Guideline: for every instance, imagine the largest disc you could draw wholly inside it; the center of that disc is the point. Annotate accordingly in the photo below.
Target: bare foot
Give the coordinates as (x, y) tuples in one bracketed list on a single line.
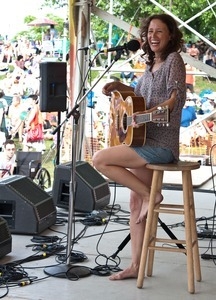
[(130, 272), (144, 210)]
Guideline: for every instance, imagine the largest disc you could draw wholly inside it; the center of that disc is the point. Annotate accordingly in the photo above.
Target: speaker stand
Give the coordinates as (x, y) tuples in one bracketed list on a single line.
[(63, 270)]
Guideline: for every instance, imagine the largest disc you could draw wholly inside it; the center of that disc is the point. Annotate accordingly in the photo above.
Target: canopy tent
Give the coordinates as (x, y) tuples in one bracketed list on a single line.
[(80, 31)]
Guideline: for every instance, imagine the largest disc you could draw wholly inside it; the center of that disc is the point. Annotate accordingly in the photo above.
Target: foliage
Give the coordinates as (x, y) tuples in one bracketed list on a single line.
[(56, 3), (133, 13)]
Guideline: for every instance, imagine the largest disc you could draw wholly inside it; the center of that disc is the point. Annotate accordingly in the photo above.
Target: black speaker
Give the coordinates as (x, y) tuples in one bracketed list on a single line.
[(25, 206), (53, 86), (91, 190), (5, 238)]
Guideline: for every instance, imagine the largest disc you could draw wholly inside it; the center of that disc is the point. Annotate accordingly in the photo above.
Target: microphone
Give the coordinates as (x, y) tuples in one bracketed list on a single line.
[(132, 45)]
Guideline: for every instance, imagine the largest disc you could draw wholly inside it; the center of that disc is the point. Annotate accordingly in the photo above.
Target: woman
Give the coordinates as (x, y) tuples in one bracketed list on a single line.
[(34, 137), (163, 83), (14, 112)]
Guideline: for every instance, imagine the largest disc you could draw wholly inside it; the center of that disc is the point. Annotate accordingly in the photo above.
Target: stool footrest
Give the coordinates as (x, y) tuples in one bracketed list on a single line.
[(181, 206), (169, 211), (168, 241), (160, 248)]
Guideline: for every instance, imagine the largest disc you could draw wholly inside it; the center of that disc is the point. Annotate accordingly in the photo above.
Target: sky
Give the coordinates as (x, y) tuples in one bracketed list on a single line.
[(13, 13)]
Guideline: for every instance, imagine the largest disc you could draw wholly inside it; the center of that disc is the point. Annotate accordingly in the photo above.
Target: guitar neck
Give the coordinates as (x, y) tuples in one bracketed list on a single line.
[(141, 119)]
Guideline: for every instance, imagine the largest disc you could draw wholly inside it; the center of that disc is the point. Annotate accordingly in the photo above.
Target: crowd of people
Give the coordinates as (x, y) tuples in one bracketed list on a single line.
[(198, 119), (203, 52), (19, 92)]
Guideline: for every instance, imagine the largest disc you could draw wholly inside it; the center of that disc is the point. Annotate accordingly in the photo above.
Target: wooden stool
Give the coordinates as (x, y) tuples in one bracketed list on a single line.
[(151, 241)]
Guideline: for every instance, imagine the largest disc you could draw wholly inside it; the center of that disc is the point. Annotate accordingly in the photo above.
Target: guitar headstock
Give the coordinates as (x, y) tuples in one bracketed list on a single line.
[(161, 116)]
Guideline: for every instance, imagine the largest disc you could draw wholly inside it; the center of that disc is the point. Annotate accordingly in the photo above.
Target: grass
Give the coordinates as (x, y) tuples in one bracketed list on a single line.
[(203, 83)]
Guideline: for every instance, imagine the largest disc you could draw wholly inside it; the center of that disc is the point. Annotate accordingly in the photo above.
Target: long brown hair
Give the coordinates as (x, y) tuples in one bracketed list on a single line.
[(175, 44)]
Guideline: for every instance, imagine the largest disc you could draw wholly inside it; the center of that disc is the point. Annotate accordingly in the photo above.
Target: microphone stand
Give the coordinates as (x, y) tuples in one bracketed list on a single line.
[(165, 228), (68, 270)]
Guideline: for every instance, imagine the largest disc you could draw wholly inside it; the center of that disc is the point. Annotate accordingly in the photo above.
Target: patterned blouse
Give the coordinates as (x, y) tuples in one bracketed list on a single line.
[(157, 87)]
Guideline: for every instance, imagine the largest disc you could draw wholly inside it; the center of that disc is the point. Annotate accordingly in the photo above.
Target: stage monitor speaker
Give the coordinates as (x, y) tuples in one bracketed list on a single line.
[(5, 238), (91, 191), (26, 207), (53, 86)]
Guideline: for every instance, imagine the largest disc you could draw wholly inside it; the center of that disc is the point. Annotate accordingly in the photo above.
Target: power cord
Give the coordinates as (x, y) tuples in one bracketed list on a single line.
[(41, 239), (93, 221), (75, 257)]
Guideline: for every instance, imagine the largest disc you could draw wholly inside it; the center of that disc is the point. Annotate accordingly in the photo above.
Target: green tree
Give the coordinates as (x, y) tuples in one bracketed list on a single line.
[(56, 3), (132, 12)]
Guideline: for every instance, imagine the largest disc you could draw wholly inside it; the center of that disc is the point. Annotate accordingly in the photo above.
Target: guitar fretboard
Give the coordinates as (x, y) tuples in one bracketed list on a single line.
[(140, 119)]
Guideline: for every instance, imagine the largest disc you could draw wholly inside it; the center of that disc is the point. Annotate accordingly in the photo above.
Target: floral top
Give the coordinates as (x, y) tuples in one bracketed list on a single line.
[(157, 87)]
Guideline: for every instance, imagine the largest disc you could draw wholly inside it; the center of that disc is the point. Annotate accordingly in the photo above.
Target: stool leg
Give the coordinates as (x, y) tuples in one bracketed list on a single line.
[(186, 196), (154, 227), (157, 177), (196, 256)]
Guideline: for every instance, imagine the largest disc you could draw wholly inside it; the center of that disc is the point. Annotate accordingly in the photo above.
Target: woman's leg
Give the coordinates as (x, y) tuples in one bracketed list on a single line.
[(115, 162), (136, 229)]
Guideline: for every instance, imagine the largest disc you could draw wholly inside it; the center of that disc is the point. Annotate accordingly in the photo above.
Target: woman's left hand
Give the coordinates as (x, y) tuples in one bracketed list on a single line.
[(134, 119)]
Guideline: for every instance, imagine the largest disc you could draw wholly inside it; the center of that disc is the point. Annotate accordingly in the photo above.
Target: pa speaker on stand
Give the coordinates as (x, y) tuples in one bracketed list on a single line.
[(92, 190), (53, 86)]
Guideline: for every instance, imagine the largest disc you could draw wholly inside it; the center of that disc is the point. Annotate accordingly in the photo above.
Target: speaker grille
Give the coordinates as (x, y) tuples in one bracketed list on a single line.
[(31, 193), (92, 190), (5, 238), (4, 230), (25, 206), (86, 172), (102, 191)]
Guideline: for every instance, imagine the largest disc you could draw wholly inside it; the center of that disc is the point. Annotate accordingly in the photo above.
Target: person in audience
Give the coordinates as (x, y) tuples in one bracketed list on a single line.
[(194, 51), (3, 113), (187, 117), (210, 122), (14, 111), (7, 159), (33, 120)]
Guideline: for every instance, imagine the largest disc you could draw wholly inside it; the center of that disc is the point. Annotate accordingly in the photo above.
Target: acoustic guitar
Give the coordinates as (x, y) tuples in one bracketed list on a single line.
[(122, 107)]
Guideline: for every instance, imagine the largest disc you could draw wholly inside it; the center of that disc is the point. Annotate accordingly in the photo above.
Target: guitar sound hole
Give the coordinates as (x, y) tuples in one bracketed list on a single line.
[(124, 122)]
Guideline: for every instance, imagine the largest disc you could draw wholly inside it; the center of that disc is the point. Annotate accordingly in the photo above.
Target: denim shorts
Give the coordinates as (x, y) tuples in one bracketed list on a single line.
[(155, 155)]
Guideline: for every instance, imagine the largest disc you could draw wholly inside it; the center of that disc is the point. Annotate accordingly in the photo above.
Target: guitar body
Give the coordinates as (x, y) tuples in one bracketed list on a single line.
[(122, 107)]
